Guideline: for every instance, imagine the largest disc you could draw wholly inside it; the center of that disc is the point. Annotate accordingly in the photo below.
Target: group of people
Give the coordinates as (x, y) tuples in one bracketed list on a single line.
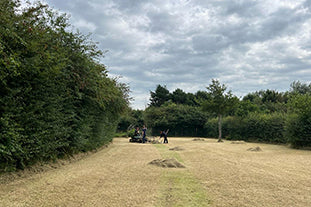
[(144, 131)]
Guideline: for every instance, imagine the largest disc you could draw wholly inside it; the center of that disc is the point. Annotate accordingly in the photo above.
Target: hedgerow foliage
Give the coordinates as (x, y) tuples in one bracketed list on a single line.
[(253, 127), (56, 98), (298, 125), (181, 120)]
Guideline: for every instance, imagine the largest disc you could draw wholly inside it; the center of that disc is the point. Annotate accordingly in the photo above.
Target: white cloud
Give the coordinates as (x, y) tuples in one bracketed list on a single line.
[(247, 44), (87, 26)]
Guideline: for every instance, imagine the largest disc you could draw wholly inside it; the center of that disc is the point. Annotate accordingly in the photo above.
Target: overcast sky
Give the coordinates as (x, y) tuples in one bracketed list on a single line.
[(246, 44)]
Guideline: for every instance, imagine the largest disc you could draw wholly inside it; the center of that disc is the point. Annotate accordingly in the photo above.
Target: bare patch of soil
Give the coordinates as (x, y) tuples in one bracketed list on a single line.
[(167, 163)]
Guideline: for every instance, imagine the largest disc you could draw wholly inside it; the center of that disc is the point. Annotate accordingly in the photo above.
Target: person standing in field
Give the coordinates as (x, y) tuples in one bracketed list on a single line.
[(144, 133), (136, 133), (164, 134)]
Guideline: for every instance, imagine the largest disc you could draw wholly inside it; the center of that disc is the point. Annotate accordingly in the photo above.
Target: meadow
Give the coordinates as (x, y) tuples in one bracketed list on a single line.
[(231, 173)]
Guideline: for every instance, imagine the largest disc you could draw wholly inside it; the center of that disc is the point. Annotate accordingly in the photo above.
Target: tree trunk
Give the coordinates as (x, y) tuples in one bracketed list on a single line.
[(219, 128)]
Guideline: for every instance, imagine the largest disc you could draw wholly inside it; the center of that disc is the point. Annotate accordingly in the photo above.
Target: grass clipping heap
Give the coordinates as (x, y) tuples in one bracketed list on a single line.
[(167, 163), (198, 139), (255, 149)]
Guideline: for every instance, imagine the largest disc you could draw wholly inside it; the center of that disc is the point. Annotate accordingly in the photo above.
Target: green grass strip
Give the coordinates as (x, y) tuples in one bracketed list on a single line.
[(178, 186)]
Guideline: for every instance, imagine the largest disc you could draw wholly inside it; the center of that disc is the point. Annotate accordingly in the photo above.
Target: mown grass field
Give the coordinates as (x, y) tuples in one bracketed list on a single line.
[(216, 174)]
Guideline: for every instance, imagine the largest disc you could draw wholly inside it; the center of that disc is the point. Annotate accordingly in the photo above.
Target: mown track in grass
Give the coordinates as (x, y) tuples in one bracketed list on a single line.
[(178, 186)]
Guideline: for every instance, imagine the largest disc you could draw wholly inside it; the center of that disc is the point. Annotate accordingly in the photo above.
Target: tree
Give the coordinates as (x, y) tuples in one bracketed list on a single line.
[(219, 102), (300, 88), (160, 96), (268, 100), (245, 107), (179, 96)]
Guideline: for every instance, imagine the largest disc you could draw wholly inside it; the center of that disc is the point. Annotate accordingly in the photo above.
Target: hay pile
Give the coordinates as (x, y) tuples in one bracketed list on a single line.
[(237, 142), (155, 142), (198, 139), (176, 149), (167, 163), (255, 149)]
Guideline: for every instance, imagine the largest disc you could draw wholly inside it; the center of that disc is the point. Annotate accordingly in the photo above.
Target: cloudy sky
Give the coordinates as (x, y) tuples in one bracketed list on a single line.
[(248, 45)]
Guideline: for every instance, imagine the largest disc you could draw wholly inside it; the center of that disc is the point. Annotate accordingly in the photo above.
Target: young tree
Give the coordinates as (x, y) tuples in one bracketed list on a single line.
[(219, 102)]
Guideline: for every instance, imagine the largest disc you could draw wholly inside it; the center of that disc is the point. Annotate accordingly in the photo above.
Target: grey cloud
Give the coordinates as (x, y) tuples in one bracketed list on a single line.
[(209, 43), (243, 43), (280, 21), (163, 21), (246, 8)]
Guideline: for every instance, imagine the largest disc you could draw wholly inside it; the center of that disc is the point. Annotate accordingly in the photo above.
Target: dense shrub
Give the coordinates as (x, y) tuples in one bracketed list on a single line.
[(298, 124), (257, 127), (211, 128), (130, 119), (265, 127), (298, 131), (181, 120), (56, 99)]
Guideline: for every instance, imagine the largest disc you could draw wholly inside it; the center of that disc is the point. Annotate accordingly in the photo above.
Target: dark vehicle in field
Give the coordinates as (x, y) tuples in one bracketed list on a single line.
[(137, 138)]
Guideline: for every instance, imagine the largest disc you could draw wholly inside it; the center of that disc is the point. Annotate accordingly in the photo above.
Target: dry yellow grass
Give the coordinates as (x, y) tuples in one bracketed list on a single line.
[(120, 176), (233, 176), (116, 176)]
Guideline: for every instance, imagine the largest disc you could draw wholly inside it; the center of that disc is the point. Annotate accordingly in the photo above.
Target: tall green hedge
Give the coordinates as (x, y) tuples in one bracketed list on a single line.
[(298, 124), (255, 126), (56, 98), (298, 131), (181, 120)]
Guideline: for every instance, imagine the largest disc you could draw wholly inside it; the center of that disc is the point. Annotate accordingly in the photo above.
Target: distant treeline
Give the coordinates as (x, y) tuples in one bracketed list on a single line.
[(264, 116), (56, 98)]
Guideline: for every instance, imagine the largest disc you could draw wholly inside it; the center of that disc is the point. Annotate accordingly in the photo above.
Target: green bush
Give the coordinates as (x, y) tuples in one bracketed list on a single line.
[(233, 128), (264, 127), (211, 128), (298, 124), (298, 131), (120, 134), (254, 126), (181, 120), (56, 99), (131, 133)]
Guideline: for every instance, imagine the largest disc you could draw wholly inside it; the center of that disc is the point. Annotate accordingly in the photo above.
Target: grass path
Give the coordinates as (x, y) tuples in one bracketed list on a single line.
[(178, 186), (216, 174)]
